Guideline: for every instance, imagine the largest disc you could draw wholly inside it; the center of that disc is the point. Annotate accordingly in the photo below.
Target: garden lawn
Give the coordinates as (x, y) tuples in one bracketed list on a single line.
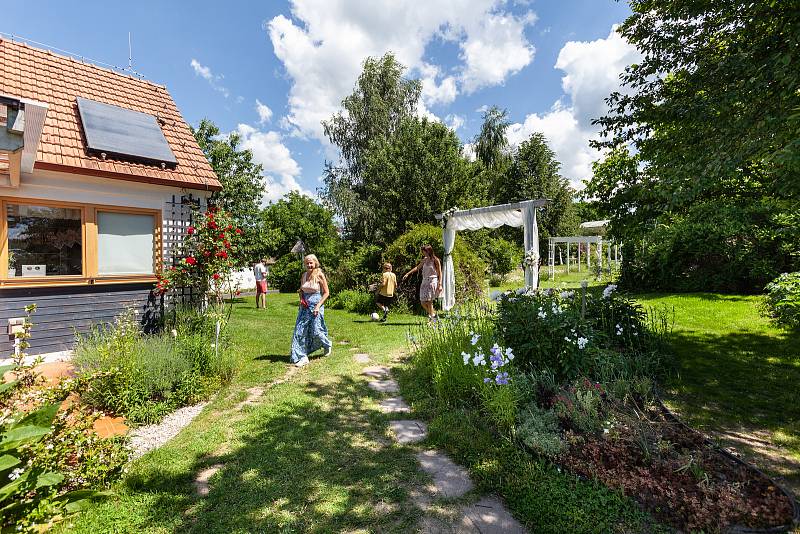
[(311, 455), (737, 377)]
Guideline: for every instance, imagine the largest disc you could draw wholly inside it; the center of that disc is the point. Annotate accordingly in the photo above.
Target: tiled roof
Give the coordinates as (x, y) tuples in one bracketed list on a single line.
[(36, 74)]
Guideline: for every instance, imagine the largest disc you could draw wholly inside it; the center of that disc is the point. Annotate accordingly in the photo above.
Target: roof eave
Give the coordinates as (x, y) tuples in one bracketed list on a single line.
[(56, 167)]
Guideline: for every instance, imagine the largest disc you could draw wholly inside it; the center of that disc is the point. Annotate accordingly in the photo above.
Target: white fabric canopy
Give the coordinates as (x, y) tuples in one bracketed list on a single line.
[(517, 214)]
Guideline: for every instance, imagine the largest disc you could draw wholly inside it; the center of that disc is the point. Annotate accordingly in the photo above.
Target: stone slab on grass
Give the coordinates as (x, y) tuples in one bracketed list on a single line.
[(450, 480), (489, 516), (361, 357), (376, 371), (384, 386), (409, 431), (201, 484), (394, 405)]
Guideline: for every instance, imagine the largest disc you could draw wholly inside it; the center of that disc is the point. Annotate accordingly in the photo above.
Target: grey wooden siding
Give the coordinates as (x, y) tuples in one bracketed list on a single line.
[(63, 311)]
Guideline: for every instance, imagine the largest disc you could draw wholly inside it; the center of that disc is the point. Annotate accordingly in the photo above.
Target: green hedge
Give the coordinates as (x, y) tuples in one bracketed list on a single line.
[(405, 253)]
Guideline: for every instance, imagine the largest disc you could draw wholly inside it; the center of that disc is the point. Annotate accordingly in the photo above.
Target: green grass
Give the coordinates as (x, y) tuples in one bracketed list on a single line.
[(736, 372), (310, 457)]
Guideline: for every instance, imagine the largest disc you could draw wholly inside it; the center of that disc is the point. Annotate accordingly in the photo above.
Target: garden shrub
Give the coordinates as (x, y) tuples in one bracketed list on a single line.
[(782, 301), (405, 253), (146, 377), (495, 280), (580, 405), (357, 269), (285, 274), (538, 429), (502, 257), (354, 301)]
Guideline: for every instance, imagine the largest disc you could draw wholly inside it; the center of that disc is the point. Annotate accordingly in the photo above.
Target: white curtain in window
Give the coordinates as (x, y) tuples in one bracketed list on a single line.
[(125, 243)]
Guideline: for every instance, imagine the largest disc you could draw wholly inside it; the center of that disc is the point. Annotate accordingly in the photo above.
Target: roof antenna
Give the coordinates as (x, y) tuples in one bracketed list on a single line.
[(130, 53)]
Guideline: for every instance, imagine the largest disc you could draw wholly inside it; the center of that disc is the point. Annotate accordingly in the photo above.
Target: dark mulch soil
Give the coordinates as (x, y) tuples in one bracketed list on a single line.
[(678, 477)]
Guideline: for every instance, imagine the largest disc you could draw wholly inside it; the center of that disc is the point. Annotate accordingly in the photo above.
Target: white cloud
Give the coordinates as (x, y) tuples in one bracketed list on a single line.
[(212, 79), (455, 122), (324, 43), (264, 113), (280, 168), (591, 73)]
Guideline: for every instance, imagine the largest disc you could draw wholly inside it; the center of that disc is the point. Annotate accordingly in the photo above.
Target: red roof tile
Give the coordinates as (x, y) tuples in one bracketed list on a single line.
[(41, 75)]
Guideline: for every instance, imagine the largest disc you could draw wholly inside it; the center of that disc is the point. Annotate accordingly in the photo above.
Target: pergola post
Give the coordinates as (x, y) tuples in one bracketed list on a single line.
[(579, 255)]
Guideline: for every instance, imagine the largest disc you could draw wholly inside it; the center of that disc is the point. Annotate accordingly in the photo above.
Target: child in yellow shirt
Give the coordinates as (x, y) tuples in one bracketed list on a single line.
[(386, 290)]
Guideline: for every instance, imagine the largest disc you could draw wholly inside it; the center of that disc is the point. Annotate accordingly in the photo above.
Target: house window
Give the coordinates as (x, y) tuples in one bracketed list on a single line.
[(44, 241), (125, 243)]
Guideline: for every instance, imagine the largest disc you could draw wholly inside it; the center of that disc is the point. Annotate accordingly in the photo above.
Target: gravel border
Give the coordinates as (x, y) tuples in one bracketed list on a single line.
[(149, 437)]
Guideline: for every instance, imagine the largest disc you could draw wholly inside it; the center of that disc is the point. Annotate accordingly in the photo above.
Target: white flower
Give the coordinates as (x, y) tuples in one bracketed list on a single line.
[(542, 314), (567, 338), (566, 294), (582, 341), (465, 356), (49, 447), (14, 475), (475, 338), (173, 333), (608, 290), (509, 354), (605, 431), (479, 359)]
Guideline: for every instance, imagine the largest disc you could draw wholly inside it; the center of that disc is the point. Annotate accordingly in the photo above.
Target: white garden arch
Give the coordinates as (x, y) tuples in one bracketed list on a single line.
[(515, 214)]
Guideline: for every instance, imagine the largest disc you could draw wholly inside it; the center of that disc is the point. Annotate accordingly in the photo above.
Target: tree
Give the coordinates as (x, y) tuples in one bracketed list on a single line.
[(241, 178), (713, 106), (491, 144), (706, 127), (534, 173), (413, 175), (297, 216), (242, 185), (381, 99)]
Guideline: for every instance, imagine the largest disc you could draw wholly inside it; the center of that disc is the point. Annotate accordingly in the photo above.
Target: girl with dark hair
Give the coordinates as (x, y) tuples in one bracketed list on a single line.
[(431, 287)]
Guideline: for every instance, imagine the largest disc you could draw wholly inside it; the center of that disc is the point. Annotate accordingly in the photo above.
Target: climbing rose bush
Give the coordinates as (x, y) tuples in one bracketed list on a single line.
[(207, 257)]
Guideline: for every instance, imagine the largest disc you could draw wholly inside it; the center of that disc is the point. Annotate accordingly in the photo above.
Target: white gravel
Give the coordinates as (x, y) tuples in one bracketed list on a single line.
[(147, 438)]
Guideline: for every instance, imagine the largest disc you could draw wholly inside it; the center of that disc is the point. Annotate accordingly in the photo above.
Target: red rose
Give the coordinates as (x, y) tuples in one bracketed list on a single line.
[(212, 224), (206, 253), (222, 236), (227, 244), (238, 292), (190, 230), (229, 227), (216, 276), (222, 254), (191, 261), (238, 230)]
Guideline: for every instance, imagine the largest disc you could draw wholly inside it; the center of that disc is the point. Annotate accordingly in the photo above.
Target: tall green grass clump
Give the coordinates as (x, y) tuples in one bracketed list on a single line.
[(143, 378)]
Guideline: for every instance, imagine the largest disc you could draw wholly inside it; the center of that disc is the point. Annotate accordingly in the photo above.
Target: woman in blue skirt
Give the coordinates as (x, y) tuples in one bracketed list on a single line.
[(310, 331)]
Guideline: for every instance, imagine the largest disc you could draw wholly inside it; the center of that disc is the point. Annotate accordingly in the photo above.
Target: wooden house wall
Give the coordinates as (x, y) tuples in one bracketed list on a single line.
[(64, 311)]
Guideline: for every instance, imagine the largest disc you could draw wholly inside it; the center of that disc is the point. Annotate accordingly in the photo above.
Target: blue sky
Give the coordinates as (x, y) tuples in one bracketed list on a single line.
[(549, 63)]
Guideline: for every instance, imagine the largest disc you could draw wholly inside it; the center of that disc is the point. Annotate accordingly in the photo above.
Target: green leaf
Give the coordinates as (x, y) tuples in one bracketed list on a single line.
[(8, 385), (7, 462), (42, 417), (22, 435), (49, 479), (6, 368), (76, 501)]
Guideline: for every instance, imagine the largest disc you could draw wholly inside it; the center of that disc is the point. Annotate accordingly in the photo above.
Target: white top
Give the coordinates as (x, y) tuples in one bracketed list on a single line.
[(260, 271), (309, 286)]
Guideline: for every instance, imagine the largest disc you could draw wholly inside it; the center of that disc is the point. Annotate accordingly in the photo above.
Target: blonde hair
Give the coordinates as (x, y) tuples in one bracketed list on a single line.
[(316, 272), (387, 266)]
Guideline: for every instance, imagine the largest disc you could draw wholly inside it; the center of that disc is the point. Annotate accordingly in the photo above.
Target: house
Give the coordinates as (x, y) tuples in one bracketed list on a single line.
[(98, 175)]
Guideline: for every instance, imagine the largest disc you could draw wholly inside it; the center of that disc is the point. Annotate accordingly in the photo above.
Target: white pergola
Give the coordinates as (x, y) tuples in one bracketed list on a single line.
[(588, 241), (514, 214)]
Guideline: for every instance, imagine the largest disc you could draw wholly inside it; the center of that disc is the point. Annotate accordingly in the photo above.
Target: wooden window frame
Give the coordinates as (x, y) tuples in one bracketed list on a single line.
[(89, 234)]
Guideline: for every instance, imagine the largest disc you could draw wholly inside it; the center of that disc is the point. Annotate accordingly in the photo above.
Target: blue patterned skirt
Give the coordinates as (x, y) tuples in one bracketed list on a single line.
[(310, 332)]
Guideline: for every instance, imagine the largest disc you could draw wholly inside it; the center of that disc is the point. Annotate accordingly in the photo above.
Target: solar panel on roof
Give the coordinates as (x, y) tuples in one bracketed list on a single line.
[(123, 133)]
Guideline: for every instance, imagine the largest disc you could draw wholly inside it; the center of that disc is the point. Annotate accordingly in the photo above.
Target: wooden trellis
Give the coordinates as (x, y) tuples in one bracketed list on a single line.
[(178, 216)]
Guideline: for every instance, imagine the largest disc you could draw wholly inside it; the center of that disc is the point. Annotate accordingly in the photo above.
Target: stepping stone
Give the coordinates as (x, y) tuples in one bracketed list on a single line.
[(376, 371), (201, 482), (108, 427), (489, 516), (394, 405), (384, 386), (409, 431), (361, 357), (449, 479)]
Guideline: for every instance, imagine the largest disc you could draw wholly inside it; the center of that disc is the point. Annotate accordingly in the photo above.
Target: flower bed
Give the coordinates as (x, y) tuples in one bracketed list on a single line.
[(570, 377)]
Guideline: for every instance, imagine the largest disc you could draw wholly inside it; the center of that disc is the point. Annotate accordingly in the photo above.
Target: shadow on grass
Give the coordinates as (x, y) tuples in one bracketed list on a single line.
[(273, 357), (742, 387), (310, 462)]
